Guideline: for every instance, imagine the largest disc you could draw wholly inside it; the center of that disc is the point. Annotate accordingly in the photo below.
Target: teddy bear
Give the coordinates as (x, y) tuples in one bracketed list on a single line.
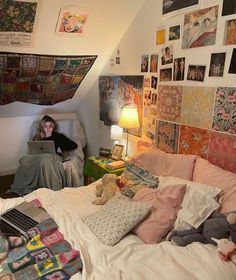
[(226, 249), (217, 225), (106, 189)]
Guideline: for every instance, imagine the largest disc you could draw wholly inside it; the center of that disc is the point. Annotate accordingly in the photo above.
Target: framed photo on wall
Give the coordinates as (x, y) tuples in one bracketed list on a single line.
[(117, 151)]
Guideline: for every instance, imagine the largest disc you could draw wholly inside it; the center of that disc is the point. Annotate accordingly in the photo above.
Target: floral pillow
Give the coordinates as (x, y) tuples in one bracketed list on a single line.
[(134, 178), (116, 218)]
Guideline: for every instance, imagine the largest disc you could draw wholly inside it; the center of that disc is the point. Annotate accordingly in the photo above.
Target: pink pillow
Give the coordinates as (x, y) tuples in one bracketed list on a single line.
[(210, 174), (165, 206), (165, 164)]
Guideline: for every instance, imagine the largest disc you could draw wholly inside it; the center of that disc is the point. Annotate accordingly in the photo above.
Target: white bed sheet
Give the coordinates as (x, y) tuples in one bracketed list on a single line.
[(130, 258)]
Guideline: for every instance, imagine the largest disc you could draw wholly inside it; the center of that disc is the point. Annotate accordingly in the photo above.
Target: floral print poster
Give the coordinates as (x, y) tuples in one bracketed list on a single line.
[(167, 134), (18, 22), (225, 110), (194, 141), (222, 150)]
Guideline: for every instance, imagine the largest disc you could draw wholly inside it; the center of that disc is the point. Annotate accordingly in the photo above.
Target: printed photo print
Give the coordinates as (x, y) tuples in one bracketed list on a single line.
[(229, 7), (154, 82), (165, 74), (167, 55), (144, 63), (179, 67), (196, 73), (230, 32), (153, 63), (174, 32), (217, 65)]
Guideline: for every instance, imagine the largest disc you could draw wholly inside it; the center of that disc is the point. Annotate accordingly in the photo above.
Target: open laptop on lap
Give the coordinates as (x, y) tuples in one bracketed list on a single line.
[(41, 147)]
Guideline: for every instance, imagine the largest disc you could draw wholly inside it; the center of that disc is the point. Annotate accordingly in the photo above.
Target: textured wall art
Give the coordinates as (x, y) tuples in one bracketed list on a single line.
[(222, 150), (225, 110), (194, 141), (197, 107), (169, 102), (41, 79), (167, 135)]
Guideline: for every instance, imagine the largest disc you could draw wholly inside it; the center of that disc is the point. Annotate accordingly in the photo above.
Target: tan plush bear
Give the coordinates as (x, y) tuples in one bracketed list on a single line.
[(106, 189)]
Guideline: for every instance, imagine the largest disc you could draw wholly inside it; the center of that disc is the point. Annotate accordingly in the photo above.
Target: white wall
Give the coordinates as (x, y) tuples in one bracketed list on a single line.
[(106, 24), (140, 40), (15, 132)]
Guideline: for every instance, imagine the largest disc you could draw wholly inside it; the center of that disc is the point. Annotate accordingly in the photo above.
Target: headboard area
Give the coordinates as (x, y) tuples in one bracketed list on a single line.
[(218, 148)]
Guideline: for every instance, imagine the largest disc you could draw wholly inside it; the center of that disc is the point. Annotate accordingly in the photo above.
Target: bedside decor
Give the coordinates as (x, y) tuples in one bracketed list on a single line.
[(129, 119), (117, 151), (116, 133)]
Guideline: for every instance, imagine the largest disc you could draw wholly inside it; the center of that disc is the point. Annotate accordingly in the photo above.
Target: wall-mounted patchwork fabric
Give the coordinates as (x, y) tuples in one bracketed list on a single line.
[(41, 79)]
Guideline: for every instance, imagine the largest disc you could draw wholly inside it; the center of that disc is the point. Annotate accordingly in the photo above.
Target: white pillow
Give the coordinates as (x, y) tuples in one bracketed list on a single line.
[(199, 201), (116, 218)]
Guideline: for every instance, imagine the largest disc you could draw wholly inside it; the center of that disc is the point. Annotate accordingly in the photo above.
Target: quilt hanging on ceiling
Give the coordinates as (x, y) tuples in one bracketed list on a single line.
[(41, 79)]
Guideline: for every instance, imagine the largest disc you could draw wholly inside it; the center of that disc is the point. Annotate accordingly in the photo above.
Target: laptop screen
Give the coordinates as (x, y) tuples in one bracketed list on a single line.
[(41, 147)]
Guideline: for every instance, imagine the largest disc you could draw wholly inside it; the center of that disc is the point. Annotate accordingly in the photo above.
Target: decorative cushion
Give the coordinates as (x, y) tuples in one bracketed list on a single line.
[(208, 173), (165, 205), (134, 178), (199, 201), (116, 218), (165, 164)]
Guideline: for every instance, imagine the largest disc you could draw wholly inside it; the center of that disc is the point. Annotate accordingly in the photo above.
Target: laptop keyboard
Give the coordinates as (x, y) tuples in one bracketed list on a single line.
[(19, 219)]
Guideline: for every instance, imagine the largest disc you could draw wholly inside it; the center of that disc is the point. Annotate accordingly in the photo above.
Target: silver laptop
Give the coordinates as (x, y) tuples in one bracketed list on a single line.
[(21, 218), (41, 147)]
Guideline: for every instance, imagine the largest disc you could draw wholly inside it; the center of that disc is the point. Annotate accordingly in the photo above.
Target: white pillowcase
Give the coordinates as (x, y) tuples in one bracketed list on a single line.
[(198, 203)]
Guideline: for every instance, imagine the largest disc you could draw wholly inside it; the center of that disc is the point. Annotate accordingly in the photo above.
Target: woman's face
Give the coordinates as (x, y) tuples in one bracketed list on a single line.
[(48, 128)]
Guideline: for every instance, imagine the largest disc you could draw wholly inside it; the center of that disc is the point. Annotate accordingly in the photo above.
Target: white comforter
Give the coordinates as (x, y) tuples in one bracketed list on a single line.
[(130, 258)]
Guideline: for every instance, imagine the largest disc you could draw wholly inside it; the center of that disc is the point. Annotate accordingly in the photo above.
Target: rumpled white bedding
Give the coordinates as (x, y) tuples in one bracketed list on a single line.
[(130, 258)]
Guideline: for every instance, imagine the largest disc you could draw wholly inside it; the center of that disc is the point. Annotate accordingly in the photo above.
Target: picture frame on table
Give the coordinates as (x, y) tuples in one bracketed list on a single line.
[(117, 152)]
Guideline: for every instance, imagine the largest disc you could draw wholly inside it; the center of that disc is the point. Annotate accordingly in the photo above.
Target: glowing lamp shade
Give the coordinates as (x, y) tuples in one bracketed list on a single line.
[(129, 117), (116, 132)]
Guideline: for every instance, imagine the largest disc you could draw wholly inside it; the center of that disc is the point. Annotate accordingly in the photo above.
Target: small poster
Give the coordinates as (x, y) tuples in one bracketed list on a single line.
[(144, 63), (196, 72), (18, 22), (174, 32), (153, 63), (72, 20), (217, 65), (229, 7), (232, 66), (160, 36), (200, 28), (179, 67), (167, 55), (230, 32)]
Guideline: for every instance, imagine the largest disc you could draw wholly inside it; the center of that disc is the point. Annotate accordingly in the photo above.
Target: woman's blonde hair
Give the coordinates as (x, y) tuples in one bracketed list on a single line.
[(40, 132)]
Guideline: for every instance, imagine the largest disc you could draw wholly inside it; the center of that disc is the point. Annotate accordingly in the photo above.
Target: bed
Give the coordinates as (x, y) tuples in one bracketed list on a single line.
[(130, 257)]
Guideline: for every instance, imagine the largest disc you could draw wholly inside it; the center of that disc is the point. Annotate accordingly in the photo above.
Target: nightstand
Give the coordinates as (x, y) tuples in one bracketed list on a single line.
[(95, 168)]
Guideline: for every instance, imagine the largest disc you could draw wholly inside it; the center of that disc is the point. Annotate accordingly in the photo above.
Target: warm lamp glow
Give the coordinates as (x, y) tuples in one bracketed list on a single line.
[(129, 117), (116, 132)]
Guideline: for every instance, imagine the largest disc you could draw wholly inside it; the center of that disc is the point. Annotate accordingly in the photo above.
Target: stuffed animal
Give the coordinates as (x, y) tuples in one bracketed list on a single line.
[(106, 189), (217, 226), (226, 249)]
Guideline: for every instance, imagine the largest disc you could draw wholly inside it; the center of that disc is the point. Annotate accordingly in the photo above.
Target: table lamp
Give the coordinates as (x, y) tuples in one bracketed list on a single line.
[(129, 119), (116, 133)]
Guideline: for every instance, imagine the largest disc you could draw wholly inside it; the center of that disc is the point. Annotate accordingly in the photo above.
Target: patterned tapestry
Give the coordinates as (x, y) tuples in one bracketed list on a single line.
[(41, 79)]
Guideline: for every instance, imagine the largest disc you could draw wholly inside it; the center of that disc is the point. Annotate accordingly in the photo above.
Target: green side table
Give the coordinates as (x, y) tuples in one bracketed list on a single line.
[(95, 168)]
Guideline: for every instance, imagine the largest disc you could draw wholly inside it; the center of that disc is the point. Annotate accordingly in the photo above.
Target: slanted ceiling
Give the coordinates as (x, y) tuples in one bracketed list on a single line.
[(107, 23)]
